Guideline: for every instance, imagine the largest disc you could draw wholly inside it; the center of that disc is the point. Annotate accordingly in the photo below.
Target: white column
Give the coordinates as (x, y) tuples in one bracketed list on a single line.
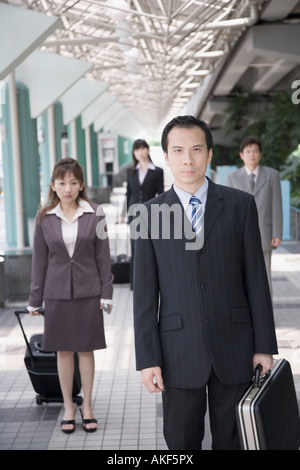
[(16, 156)]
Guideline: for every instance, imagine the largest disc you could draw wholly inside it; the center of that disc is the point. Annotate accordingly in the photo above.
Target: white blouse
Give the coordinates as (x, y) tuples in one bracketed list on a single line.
[(70, 229), (69, 232), (143, 173)]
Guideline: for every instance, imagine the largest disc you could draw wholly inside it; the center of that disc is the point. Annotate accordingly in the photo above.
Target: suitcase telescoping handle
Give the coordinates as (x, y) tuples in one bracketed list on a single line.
[(18, 312)]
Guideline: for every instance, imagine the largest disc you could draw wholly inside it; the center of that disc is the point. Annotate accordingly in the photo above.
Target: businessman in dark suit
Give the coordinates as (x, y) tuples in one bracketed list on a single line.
[(202, 307)]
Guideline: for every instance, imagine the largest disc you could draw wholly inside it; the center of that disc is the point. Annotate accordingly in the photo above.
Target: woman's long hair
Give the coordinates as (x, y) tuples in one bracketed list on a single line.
[(61, 168), (137, 144)]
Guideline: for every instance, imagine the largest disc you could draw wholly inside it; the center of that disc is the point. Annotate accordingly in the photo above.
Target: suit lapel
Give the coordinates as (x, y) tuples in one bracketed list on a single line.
[(178, 218), (150, 175), (261, 180), (147, 177), (83, 222), (213, 208), (55, 226), (244, 180)]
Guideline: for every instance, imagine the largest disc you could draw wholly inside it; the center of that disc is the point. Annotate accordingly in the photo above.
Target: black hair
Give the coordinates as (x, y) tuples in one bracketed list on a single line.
[(187, 122), (138, 144), (250, 140), (61, 168)]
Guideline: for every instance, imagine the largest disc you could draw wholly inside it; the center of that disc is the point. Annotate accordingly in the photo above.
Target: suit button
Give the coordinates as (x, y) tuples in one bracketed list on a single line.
[(204, 286), (72, 261), (207, 321)]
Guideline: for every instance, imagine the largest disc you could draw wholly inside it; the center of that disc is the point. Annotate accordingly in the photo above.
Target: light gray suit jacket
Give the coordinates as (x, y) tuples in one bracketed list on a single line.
[(198, 309), (57, 276), (267, 195)]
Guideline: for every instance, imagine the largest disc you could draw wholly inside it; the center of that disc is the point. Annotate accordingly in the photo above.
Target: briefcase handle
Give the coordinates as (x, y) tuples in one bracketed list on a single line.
[(258, 380), (257, 371)]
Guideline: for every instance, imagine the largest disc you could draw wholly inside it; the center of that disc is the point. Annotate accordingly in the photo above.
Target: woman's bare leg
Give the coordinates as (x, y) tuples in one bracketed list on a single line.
[(65, 366), (87, 373)]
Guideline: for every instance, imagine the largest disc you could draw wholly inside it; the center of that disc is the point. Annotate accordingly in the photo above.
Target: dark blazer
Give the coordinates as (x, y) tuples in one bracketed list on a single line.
[(57, 276), (267, 195), (197, 309), (153, 185)]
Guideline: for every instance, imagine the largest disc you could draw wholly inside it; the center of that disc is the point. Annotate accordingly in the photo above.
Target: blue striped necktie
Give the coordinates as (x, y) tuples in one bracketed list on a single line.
[(197, 215)]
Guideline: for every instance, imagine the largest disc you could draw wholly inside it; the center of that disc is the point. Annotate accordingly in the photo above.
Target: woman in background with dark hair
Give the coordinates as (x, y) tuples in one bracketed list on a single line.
[(71, 274), (144, 182)]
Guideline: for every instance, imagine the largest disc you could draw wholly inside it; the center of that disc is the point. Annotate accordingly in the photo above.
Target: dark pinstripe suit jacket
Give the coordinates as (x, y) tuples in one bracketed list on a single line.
[(197, 309)]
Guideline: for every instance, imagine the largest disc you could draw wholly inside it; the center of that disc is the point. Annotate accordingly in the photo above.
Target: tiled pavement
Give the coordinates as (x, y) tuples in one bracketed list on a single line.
[(129, 418)]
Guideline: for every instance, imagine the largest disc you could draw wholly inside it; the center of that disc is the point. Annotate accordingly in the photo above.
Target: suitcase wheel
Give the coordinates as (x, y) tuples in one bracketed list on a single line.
[(78, 400), (40, 399)]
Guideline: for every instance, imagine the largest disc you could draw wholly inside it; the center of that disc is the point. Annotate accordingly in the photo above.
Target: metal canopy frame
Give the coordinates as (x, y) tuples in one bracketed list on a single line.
[(153, 54)]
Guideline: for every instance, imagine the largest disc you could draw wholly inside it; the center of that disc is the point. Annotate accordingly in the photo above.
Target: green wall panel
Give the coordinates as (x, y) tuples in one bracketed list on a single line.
[(60, 129), (8, 174), (95, 163), (124, 150), (81, 145), (30, 165), (30, 161)]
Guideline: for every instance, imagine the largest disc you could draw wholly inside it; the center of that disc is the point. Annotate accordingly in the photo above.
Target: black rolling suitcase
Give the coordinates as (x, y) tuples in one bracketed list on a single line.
[(268, 414), (120, 263), (42, 369), (120, 267)]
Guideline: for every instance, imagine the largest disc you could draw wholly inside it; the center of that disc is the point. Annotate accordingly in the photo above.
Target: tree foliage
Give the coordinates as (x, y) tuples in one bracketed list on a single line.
[(276, 122)]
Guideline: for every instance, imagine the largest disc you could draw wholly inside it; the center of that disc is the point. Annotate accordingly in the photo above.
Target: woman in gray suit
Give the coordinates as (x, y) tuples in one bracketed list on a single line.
[(71, 274)]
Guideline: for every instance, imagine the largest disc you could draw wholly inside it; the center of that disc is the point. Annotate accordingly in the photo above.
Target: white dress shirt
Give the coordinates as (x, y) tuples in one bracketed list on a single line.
[(255, 172), (185, 197)]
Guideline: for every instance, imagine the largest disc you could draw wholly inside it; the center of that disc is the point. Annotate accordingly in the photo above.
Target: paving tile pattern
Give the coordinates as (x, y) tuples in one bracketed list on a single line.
[(129, 417)]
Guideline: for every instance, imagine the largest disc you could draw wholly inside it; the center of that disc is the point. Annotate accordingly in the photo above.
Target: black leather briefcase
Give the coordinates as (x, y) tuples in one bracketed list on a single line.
[(268, 413)]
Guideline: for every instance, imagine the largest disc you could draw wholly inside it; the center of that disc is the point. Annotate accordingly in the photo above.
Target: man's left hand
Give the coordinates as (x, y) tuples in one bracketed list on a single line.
[(275, 242), (266, 360)]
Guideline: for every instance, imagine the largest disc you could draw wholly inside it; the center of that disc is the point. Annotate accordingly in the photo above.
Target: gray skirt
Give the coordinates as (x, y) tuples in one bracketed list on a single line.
[(73, 325)]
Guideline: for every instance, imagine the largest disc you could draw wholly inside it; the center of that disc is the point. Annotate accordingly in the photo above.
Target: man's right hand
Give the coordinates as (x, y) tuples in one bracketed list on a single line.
[(152, 379)]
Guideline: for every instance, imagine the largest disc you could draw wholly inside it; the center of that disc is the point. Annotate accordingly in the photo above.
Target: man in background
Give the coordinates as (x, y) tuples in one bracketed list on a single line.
[(264, 183)]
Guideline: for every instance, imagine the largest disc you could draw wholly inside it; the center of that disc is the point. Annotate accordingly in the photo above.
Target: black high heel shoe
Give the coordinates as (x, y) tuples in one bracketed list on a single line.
[(88, 421), (68, 421)]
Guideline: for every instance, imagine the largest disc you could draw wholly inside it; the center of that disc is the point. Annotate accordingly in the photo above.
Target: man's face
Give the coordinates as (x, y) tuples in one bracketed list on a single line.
[(188, 157), (251, 156)]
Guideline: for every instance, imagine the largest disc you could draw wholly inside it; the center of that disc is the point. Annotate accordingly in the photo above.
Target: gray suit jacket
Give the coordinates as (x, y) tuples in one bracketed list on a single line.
[(267, 195), (57, 276), (198, 309)]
